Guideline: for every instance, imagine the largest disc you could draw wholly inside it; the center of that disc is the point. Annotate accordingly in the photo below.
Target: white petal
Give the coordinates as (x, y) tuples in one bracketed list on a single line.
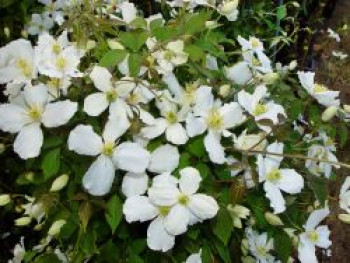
[(95, 104), (118, 112), (189, 181), (291, 182), (58, 113), (29, 141), (99, 177), (36, 95), (306, 252), (114, 129), (158, 238), (164, 159), (134, 184), (101, 78), (323, 237), (194, 258), (131, 157), (177, 220), (139, 208), (176, 134), (316, 217), (195, 126), (239, 73), (163, 194), (12, 117), (214, 148), (275, 196), (165, 179), (204, 100), (154, 130), (128, 11), (83, 140), (203, 206), (232, 114)]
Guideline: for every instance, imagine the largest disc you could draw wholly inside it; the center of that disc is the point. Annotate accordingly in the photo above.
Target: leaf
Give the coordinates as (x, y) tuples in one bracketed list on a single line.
[(343, 134), (197, 148), (223, 251), (195, 53), (114, 212), (203, 170), (281, 12), (138, 246), (134, 63), (283, 245), (134, 40), (51, 163), (223, 226), (319, 187), (52, 258), (195, 23), (52, 142), (295, 109), (113, 58), (85, 213)]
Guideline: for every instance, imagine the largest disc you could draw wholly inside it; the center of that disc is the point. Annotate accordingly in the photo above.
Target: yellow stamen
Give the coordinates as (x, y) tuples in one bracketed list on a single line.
[(274, 175), (215, 120), (171, 117), (318, 88), (183, 199), (108, 148), (25, 67), (260, 108), (164, 210), (61, 63)]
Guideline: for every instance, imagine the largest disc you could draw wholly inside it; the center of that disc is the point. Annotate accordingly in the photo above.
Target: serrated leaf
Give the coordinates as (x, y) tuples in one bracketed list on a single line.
[(51, 163), (134, 40), (223, 226), (113, 58), (114, 212), (134, 63)]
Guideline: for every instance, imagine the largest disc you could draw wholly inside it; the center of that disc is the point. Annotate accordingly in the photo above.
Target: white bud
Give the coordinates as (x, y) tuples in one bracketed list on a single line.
[(224, 90), (7, 32), (296, 4), (270, 78), (56, 227), (293, 65), (227, 8), (346, 108), (59, 183), (23, 221), (114, 44), (211, 24), (345, 218), (2, 148), (4, 199), (273, 219), (246, 141), (91, 44), (329, 113)]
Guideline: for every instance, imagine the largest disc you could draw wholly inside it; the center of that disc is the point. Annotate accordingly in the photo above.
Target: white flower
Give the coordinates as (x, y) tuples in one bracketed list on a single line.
[(163, 159), (195, 258), (126, 156), (246, 141), (314, 236), (344, 195), (39, 24), (56, 227), (54, 9), (333, 34), (59, 183), (25, 116), (17, 62), (129, 11), (321, 93), (34, 210), (134, 184), (256, 106), (216, 119), (340, 55), (228, 8), (4, 199), (238, 213), (260, 246), (172, 56), (276, 179), (240, 73), (18, 252)]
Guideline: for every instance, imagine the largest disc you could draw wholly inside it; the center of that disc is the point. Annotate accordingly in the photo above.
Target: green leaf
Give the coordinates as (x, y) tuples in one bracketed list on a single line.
[(281, 12), (134, 40), (197, 148), (343, 134), (195, 23), (114, 212), (85, 213), (223, 251), (52, 258), (296, 108), (283, 245), (138, 246), (113, 58), (223, 226), (195, 53), (203, 170), (134, 62), (135, 259), (51, 163), (319, 187), (53, 142)]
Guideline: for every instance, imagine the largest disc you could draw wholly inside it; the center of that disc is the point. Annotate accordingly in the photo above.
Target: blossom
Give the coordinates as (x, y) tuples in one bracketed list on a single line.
[(17, 62), (54, 9), (163, 159), (195, 258), (313, 236), (255, 104), (237, 213), (344, 195), (25, 116), (333, 34), (127, 156), (340, 55), (246, 141), (18, 252), (322, 94), (276, 179), (228, 8), (39, 24), (259, 246), (33, 209), (216, 119)]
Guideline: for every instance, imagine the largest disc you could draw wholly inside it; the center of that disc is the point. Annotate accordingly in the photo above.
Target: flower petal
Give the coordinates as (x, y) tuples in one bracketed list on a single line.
[(275, 196), (203, 206), (323, 237), (134, 184), (214, 148), (195, 126), (29, 141), (177, 220), (99, 177), (163, 194), (232, 114), (139, 208), (95, 104), (83, 140), (131, 157), (189, 181), (158, 238), (306, 252), (176, 134), (58, 113), (36, 95), (115, 128), (154, 130), (291, 182), (101, 78), (164, 159), (12, 117), (316, 217)]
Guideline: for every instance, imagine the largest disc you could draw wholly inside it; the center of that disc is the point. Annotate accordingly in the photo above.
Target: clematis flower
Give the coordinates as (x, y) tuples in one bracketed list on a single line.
[(246, 141), (195, 257), (18, 252), (216, 119), (33, 209), (322, 94), (228, 8), (164, 159), (276, 179), (313, 236), (17, 62), (256, 106), (54, 9), (126, 156), (260, 246), (333, 34), (26, 114), (238, 213), (39, 24), (344, 195)]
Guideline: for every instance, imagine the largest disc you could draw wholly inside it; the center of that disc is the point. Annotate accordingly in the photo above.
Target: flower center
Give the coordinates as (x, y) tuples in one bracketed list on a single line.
[(255, 42), (312, 236), (318, 88), (111, 95), (35, 112), (54, 83), (261, 251), (25, 67), (183, 199), (108, 148), (164, 210), (259, 109), (171, 117), (215, 120), (61, 63), (274, 175), (133, 99), (56, 48), (169, 55)]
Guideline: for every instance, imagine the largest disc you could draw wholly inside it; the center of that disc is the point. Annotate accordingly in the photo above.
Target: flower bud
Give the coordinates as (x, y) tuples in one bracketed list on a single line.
[(346, 108), (7, 32), (23, 221), (59, 183), (273, 219), (247, 142), (345, 218), (56, 227), (224, 90), (228, 7), (4, 199), (29, 176), (293, 65), (91, 44), (329, 113), (211, 24), (114, 44), (270, 78), (2, 148)]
